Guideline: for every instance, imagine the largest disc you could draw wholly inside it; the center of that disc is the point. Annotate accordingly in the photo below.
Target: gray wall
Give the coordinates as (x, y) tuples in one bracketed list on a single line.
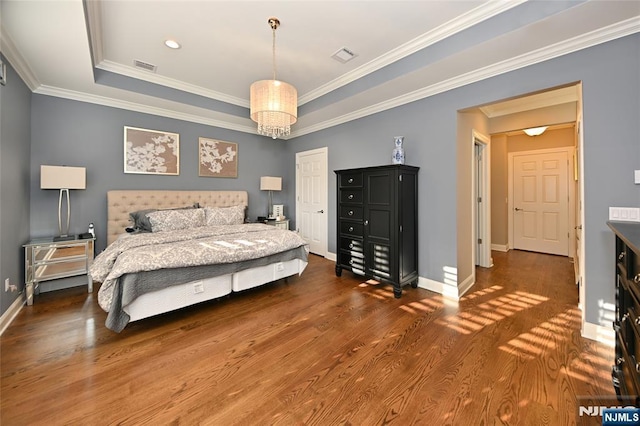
[(15, 137), (611, 94), (72, 133)]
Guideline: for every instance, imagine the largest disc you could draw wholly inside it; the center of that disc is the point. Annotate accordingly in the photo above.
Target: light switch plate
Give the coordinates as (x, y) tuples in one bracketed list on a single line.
[(627, 214)]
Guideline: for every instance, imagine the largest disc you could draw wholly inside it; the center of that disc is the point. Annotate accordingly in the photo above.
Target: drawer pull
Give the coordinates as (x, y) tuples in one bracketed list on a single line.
[(350, 196), (366, 222), (625, 317), (621, 256), (620, 361), (636, 279), (350, 180), (350, 261), (637, 367), (351, 246), (351, 229), (350, 212)]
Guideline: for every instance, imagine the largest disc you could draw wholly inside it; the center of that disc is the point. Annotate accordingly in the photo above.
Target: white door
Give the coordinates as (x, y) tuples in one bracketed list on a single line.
[(311, 199), (541, 202), (481, 182)]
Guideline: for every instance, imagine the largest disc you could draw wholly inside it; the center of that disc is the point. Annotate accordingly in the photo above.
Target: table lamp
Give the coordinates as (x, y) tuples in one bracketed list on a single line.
[(63, 178), (270, 183)]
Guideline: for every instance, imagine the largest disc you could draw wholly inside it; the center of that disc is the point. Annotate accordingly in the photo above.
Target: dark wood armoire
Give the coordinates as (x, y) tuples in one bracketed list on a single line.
[(377, 224)]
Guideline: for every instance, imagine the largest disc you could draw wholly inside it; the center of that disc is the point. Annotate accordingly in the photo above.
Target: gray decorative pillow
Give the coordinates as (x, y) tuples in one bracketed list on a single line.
[(173, 220), (224, 215), (140, 221)]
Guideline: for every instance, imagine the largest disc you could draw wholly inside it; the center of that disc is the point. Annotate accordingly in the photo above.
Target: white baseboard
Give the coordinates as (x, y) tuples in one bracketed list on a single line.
[(467, 284), (11, 313), (331, 256), (438, 287), (599, 333), (500, 247)]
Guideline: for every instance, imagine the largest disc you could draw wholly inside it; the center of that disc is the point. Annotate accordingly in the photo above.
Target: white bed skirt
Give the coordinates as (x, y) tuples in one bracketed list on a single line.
[(180, 296)]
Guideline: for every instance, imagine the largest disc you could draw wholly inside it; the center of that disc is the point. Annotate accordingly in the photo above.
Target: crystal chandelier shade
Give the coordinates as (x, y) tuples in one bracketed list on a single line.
[(274, 106), (273, 103)]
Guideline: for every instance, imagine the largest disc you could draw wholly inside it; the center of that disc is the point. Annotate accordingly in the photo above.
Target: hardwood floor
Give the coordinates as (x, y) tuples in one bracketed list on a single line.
[(316, 350)]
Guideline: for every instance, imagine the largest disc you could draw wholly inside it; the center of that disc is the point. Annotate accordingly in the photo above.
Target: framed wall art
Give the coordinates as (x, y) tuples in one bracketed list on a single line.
[(217, 158), (151, 152)]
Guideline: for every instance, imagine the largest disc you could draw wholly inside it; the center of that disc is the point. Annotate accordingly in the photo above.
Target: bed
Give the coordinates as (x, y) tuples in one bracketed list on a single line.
[(186, 261)]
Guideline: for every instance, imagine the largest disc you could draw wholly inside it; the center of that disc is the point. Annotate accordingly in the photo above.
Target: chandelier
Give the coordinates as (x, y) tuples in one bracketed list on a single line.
[(274, 104)]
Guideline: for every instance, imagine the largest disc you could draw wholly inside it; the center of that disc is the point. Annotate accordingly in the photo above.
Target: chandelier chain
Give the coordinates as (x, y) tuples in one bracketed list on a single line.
[(274, 50)]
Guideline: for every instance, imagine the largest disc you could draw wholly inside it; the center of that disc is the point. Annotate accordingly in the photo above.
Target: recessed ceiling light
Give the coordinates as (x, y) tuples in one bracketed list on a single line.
[(172, 44)]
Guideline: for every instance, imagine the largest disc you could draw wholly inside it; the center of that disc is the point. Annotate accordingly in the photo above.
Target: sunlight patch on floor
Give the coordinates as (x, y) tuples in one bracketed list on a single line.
[(490, 312)]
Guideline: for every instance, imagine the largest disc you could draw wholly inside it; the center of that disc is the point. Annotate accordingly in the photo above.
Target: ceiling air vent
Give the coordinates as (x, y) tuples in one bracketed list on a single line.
[(144, 65), (344, 55)]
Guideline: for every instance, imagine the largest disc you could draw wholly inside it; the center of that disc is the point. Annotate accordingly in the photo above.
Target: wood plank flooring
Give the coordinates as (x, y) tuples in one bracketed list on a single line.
[(317, 350)]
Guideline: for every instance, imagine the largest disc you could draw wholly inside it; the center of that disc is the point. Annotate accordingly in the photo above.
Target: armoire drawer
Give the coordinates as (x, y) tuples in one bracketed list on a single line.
[(351, 179), (351, 228), (355, 263), (349, 195), (351, 212), (352, 245)]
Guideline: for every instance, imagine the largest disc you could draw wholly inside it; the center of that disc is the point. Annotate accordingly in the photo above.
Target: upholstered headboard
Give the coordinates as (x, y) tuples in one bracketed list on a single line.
[(120, 203)]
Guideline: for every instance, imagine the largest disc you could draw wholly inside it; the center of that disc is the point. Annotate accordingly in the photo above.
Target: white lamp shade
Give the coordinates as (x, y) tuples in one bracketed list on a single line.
[(270, 183), (63, 177)]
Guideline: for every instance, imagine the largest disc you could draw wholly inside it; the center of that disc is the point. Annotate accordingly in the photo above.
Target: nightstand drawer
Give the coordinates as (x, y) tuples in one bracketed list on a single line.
[(45, 259)]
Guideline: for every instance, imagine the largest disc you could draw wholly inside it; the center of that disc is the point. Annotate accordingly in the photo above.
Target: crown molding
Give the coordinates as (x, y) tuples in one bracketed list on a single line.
[(602, 35), (8, 49), (146, 109), (460, 23), (170, 82), (612, 32)]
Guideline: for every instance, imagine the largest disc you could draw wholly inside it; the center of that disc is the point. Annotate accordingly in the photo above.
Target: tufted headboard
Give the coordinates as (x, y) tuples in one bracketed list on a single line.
[(121, 202)]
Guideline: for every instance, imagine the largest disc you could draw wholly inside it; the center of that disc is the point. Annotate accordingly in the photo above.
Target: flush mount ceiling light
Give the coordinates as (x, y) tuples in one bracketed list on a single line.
[(535, 131), (172, 44), (274, 104)]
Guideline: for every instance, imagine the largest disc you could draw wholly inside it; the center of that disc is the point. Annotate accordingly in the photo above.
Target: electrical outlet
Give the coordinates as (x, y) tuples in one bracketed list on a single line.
[(8, 286)]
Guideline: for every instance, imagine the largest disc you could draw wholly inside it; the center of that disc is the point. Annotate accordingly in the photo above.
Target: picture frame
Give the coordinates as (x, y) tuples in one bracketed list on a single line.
[(3, 72), (217, 158), (153, 152)]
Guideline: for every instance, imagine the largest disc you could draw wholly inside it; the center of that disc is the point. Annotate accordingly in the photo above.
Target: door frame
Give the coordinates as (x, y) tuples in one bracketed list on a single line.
[(569, 150), (481, 212), (325, 196)]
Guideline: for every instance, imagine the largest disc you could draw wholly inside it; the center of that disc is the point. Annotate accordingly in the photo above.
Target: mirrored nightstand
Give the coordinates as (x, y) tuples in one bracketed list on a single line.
[(45, 259)]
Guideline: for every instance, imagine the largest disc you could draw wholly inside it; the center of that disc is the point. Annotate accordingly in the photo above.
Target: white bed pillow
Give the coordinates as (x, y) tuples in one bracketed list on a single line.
[(224, 215), (173, 220)]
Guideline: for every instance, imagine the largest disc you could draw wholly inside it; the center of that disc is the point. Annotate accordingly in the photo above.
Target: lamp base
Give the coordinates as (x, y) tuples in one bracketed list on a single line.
[(64, 238)]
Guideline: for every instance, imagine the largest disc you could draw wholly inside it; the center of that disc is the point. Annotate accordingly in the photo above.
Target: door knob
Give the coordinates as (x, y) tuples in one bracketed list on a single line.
[(322, 211), (518, 210)]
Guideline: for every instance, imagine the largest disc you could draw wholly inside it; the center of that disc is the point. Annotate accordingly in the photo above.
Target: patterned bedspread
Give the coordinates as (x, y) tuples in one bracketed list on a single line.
[(207, 245)]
